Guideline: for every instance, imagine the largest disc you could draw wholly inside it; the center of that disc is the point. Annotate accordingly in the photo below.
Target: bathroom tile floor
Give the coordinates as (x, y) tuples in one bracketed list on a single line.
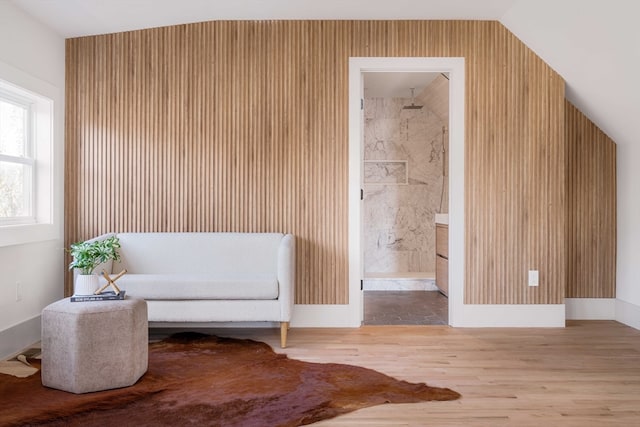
[(405, 308)]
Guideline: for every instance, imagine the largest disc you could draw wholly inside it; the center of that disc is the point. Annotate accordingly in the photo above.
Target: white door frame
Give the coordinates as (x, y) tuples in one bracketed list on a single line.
[(460, 314), (455, 69)]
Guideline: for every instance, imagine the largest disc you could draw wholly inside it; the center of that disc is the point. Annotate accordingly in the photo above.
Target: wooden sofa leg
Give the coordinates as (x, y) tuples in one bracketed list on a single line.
[(284, 326)]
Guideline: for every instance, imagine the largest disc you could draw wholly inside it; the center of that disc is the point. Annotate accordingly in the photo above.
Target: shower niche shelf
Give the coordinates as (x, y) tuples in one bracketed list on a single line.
[(386, 172)]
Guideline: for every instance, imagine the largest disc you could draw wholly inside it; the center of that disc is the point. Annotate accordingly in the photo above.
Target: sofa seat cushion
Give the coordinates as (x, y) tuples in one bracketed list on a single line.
[(198, 286)]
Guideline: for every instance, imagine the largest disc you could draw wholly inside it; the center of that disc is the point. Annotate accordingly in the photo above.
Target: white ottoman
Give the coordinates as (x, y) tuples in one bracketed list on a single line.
[(96, 345)]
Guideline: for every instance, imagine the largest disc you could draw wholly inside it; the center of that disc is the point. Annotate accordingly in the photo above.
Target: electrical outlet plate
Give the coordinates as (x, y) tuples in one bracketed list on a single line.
[(533, 278), (18, 292)]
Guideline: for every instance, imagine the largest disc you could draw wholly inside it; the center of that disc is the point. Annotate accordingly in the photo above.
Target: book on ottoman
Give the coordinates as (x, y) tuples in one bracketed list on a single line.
[(103, 296)]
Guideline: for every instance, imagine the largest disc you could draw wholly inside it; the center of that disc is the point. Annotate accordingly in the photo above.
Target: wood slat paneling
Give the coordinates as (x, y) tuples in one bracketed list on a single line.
[(514, 182), (591, 213), (243, 126)]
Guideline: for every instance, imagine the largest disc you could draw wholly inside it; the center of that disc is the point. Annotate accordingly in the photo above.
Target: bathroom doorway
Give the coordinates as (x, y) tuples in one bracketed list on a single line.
[(405, 192)]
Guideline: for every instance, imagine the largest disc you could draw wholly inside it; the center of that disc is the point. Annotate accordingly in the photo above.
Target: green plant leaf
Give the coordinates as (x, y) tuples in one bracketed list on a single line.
[(88, 255)]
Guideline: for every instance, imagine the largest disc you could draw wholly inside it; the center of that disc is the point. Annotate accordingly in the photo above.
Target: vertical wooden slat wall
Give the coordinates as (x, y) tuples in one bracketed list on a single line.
[(515, 173), (243, 126), (591, 213)]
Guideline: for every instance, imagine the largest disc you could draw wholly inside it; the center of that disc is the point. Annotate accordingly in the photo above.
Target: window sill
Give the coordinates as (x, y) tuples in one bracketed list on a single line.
[(11, 235)]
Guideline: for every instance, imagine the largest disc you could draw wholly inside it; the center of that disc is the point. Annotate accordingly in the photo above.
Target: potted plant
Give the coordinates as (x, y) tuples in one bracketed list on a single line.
[(86, 257)]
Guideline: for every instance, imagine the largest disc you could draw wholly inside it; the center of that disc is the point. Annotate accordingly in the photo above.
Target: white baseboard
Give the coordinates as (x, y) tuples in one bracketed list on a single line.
[(483, 316), (22, 335), (19, 337), (590, 308), (628, 313), (480, 316), (509, 316)]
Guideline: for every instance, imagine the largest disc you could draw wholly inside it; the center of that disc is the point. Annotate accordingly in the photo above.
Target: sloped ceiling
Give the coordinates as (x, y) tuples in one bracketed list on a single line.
[(593, 44)]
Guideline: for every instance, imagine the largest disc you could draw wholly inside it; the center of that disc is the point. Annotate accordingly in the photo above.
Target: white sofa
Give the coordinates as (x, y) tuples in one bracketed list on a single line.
[(209, 277)]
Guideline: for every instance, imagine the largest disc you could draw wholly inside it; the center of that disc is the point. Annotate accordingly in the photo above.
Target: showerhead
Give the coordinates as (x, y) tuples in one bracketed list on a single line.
[(413, 106)]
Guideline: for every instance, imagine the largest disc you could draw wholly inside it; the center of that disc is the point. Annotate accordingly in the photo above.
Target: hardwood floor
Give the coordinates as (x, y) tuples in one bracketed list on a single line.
[(587, 374)]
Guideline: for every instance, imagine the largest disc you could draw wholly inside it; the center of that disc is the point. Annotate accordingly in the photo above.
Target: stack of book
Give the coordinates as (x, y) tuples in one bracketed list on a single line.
[(102, 296)]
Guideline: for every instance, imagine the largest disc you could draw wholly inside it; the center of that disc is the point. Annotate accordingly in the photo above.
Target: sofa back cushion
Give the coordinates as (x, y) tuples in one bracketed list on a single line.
[(200, 253)]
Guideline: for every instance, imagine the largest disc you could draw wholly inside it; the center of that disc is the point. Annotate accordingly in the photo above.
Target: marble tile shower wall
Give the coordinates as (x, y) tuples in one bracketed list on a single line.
[(403, 185)]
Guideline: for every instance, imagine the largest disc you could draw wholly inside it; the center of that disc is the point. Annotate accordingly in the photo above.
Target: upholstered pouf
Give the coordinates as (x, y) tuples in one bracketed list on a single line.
[(96, 345)]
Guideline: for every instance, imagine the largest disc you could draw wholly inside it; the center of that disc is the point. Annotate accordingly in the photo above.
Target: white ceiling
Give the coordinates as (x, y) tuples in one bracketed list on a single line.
[(73, 18), (593, 44)]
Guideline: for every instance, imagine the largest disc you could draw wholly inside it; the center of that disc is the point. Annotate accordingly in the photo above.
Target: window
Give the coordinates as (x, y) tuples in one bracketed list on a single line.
[(16, 160), (28, 208)]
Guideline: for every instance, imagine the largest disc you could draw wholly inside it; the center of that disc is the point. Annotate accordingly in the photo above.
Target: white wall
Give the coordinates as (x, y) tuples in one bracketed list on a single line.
[(32, 53), (628, 254), (628, 272)]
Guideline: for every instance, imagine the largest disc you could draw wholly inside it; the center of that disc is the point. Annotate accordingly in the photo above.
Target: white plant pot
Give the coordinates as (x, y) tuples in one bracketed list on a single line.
[(85, 284)]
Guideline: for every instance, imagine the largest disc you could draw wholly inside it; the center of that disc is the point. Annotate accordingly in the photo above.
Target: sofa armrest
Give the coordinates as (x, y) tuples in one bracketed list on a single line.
[(286, 276)]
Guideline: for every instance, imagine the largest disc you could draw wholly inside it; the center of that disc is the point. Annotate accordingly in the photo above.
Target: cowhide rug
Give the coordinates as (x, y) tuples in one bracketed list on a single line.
[(203, 380)]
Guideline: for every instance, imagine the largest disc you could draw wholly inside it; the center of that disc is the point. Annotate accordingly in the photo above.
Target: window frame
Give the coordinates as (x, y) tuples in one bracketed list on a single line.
[(47, 151)]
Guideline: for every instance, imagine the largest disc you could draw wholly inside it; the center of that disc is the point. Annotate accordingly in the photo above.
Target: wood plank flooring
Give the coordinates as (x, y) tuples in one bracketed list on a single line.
[(587, 374)]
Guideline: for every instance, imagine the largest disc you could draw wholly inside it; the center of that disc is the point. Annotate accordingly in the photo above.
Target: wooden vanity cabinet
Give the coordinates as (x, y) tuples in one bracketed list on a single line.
[(442, 258)]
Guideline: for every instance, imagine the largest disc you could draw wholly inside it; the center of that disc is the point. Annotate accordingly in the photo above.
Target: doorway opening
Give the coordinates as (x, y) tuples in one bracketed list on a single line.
[(359, 69), (405, 191)]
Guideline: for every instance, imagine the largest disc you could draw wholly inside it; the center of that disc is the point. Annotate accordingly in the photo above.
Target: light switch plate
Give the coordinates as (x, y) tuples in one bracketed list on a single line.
[(533, 278)]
